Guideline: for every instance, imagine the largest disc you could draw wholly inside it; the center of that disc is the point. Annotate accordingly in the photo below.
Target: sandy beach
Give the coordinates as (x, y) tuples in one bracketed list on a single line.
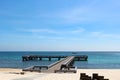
[(14, 74)]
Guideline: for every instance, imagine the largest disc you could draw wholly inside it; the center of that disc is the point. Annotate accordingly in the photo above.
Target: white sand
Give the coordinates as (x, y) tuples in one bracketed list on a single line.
[(10, 74)]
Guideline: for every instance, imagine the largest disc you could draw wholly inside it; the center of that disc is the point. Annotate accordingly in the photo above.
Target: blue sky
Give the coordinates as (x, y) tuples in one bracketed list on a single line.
[(55, 25)]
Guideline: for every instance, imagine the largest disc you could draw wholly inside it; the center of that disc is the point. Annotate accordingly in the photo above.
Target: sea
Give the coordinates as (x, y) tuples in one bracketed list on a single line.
[(96, 59)]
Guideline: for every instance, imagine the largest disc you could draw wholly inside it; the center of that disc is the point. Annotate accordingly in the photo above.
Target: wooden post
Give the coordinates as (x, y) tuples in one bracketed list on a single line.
[(58, 58), (49, 58), (40, 58)]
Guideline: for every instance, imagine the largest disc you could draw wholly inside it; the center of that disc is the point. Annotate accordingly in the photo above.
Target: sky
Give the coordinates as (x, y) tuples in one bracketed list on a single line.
[(59, 25)]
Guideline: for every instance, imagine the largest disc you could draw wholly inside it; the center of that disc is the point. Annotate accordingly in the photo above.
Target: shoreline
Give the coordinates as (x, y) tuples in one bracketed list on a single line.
[(8, 74), (19, 69)]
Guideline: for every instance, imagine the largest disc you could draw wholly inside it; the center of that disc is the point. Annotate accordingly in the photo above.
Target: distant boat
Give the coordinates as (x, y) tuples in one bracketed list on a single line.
[(74, 53)]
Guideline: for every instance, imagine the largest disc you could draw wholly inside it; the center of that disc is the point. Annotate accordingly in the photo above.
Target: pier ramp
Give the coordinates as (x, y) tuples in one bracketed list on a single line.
[(67, 61)]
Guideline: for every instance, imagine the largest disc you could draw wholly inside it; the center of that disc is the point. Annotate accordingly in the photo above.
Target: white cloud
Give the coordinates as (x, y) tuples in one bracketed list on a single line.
[(80, 30), (53, 31), (94, 11), (104, 35), (40, 30), (64, 34), (53, 34)]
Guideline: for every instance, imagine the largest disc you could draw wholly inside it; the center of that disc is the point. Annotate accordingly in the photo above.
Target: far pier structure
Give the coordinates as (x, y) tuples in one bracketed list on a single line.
[(40, 57)]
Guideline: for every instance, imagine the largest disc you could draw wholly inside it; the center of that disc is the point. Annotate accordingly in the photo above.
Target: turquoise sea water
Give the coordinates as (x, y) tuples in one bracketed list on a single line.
[(96, 60)]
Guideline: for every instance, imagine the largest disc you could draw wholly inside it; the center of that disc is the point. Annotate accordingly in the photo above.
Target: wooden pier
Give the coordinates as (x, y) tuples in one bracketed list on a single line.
[(63, 65), (39, 58)]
